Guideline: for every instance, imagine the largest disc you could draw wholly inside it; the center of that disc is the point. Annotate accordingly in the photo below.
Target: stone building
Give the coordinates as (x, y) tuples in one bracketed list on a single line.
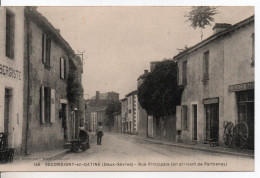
[(132, 114), (218, 79), (12, 75), (48, 60), (124, 114)]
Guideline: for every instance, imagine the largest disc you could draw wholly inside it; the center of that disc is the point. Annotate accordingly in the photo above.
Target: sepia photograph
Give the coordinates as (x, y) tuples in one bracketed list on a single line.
[(127, 88)]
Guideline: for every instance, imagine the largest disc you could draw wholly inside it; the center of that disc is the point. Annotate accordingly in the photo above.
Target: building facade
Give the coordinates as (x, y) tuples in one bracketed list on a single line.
[(47, 111), (12, 74), (93, 121), (218, 79), (132, 114), (124, 114)]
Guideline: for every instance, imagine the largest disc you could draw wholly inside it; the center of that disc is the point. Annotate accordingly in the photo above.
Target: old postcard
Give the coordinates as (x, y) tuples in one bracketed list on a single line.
[(134, 88)]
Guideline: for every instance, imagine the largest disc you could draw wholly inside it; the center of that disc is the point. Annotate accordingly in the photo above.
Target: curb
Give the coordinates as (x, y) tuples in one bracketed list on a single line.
[(56, 155), (202, 149)]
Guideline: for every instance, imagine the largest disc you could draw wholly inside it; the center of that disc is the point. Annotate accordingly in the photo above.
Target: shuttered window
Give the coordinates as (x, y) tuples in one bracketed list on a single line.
[(206, 65), (178, 118), (184, 73), (9, 41), (253, 49), (46, 49), (62, 68), (52, 119), (184, 117), (47, 104)]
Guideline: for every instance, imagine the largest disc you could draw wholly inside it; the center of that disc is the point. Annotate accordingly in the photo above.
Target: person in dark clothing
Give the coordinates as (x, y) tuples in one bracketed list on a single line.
[(84, 137), (99, 133)]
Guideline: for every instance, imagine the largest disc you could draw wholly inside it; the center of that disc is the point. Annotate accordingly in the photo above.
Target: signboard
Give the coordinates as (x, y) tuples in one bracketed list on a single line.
[(10, 72), (210, 101), (241, 87)]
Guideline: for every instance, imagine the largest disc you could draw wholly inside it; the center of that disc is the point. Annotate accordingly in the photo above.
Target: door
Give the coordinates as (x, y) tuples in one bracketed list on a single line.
[(7, 113), (64, 120), (212, 121), (194, 107), (246, 112)]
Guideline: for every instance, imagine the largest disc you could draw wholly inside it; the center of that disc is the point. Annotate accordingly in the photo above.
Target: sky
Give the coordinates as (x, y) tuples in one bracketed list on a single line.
[(120, 42)]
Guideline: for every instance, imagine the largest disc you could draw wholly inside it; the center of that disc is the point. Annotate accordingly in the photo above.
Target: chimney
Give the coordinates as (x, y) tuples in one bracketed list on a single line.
[(218, 27), (97, 95), (145, 71), (58, 30), (152, 65)]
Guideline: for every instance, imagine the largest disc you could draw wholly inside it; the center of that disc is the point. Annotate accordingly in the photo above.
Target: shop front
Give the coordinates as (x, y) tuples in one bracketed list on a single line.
[(245, 108), (211, 106)]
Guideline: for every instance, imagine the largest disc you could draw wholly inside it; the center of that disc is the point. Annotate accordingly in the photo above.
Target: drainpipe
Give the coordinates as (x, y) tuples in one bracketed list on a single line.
[(28, 83)]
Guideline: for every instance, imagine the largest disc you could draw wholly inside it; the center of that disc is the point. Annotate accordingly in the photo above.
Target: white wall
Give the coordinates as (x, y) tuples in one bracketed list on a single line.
[(16, 84)]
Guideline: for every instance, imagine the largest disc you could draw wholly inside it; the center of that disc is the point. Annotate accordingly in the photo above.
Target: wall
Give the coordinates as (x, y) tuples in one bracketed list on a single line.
[(196, 90), (238, 52), (44, 136), (14, 83), (142, 121)]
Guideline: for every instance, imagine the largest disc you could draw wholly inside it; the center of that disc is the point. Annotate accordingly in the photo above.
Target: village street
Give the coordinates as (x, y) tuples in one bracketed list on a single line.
[(119, 151)]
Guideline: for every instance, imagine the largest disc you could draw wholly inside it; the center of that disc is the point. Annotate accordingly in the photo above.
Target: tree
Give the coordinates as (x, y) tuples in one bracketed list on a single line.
[(74, 88), (112, 107), (159, 93), (200, 16)]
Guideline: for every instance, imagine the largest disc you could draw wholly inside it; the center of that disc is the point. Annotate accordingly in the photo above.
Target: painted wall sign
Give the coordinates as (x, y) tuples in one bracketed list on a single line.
[(241, 87), (10, 72), (210, 101)]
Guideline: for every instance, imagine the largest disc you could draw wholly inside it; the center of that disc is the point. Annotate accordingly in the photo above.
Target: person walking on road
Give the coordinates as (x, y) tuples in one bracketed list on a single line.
[(99, 133)]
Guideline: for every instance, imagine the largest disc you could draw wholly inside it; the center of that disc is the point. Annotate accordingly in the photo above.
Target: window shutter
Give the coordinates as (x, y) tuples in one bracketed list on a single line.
[(42, 105), (44, 48), (178, 117), (52, 120), (62, 68), (184, 117)]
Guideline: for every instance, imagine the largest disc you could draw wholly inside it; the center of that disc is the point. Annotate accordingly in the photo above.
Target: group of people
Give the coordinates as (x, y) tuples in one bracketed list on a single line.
[(99, 133)]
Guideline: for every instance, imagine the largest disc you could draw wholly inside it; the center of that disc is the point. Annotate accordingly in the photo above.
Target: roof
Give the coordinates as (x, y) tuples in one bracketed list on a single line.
[(124, 99), (42, 21), (131, 93), (215, 36)]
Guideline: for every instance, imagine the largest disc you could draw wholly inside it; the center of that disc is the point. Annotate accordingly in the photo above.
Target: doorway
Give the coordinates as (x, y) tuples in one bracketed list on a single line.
[(64, 120), (194, 112), (212, 121), (7, 113), (245, 102)]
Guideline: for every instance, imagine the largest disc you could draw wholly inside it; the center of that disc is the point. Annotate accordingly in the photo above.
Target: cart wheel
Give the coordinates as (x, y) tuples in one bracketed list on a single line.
[(240, 136), (228, 134)]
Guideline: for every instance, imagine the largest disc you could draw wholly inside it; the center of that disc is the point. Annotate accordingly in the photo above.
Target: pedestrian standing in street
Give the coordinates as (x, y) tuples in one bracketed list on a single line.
[(99, 133)]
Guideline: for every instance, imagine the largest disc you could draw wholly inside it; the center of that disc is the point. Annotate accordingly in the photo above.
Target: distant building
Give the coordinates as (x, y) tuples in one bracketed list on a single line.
[(218, 79), (104, 98), (93, 121), (132, 115), (124, 114)]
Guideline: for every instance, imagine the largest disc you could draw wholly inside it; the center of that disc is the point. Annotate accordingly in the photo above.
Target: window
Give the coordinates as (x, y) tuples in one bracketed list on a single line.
[(47, 105), (62, 68), (184, 117), (206, 65), (253, 49), (46, 49), (184, 73), (9, 48)]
